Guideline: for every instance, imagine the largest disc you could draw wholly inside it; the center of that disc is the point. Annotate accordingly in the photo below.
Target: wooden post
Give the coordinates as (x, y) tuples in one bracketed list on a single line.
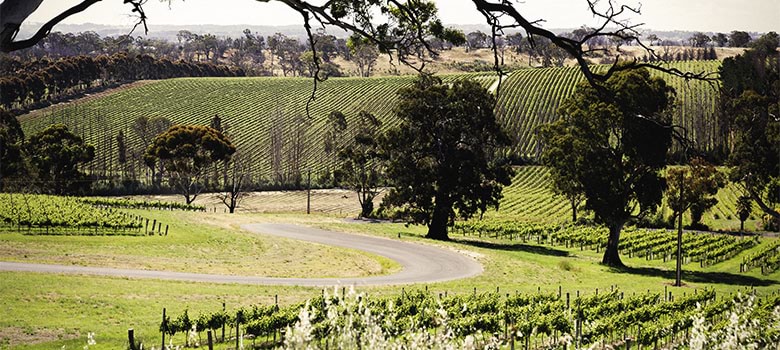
[(163, 332), (678, 275), (166, 230), (238, 331), (223, 323), (131, 338), (308, 192), (211, 340)]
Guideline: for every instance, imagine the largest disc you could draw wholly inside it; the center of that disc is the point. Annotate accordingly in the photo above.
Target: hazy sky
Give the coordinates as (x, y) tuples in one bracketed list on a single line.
[(703, 15)]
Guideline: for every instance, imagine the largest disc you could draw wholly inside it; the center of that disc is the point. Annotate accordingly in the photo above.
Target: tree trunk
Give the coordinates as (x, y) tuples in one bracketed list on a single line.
[(611, 254), (573, 211), (437, 229)]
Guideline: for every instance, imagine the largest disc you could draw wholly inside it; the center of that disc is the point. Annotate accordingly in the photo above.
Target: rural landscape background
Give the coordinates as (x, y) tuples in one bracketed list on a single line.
[(257, 186)]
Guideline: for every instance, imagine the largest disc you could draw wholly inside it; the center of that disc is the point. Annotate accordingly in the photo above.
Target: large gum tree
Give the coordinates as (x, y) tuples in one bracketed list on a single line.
[(613, 141), (442, 158)]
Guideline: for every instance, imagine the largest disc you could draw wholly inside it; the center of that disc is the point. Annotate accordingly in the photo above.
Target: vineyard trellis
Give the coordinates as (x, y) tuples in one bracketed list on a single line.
[(529, 98), (528, 320), (57, 215)]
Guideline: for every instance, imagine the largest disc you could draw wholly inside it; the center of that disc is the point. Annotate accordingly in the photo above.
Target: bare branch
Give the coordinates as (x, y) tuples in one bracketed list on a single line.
[(8, 44)]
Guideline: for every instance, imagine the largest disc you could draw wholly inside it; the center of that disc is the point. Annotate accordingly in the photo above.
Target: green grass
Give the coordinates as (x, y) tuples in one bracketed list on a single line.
[(60, 310), (195, 245)]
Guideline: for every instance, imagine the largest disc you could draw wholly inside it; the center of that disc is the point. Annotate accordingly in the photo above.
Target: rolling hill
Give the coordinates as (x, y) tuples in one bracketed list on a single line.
[(254, 108)]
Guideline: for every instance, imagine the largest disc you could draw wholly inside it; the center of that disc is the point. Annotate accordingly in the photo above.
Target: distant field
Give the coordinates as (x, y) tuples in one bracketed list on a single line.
[(253, 107)]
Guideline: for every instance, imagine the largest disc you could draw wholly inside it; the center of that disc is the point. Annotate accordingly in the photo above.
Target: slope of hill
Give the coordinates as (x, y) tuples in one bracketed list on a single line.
[(255, 109), (531, 97)]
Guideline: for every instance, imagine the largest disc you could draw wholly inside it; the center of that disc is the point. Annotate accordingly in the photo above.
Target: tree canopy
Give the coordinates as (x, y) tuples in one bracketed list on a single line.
[(187, 153), (614, 148), (700, 182), (401, 28), (11, 140), (441, 158), (750, 98), (55, 154), (362, 167)]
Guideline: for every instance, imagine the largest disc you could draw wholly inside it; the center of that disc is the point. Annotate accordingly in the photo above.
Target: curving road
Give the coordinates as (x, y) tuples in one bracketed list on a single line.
[(420, 263)]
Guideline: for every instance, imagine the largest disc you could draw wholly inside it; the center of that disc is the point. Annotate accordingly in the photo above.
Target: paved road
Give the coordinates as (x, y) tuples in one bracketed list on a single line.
[(420, 263)]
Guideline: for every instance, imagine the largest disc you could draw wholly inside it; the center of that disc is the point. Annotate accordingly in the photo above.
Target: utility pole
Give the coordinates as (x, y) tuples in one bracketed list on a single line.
[(308, 192), (678, 281)]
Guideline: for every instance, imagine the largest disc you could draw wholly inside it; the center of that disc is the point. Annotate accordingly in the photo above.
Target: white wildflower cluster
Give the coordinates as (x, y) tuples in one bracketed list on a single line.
[(90, 340), (741, 330), (192, 337), (350, 324)]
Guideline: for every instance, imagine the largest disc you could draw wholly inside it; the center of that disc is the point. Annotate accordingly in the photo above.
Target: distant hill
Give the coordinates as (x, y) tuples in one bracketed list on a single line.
[(256, 108), (168, 31)]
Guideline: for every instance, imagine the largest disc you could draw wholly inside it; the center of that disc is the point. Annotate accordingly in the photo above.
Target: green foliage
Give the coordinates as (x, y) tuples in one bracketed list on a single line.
[(362, 169), (698, 182), (613, 143), (54, 155), (11, 140), (648, 318), (64, 215), (188, 151), (744, 208), (751, 104), (442, 158)]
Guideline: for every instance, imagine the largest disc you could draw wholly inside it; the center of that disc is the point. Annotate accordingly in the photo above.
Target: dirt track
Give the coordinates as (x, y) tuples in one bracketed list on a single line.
[(420, 263)]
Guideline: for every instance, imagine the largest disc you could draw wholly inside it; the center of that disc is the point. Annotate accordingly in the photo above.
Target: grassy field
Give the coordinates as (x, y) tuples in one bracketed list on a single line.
[(194, 245), (51, 311), (254, 108)]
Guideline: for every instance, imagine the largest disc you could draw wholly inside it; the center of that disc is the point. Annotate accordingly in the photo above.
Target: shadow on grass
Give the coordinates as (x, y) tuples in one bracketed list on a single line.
[(699, 276), (514, 247)]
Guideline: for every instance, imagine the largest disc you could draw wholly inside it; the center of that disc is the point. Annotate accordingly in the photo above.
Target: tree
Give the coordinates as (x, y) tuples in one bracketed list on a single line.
[(750, 105), (700, 182), (720, 39), (332, 142), (235, 181), (11, 141), (146, 130), (744, 208), (699, 39), (739, 39), (619, 135), (561, 161), (477, 40), (364, 54), (187, 152), (442, 158), (401, 28), (55, 154), (362, 167)]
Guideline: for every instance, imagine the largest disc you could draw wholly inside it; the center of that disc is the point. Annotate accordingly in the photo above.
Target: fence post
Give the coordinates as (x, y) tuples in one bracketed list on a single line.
[(164, 328), (238, 331), (223, 322), (211, 340), (131, 338)]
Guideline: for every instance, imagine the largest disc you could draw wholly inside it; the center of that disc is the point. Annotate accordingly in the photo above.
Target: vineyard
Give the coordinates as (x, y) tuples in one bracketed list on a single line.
[(420, 319), (530, 98), (56, 215), (529, 197), (255, 108), (706, 249)]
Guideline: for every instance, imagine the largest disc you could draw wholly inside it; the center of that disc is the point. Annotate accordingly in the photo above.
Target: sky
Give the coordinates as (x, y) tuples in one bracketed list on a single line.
[(690, 15)]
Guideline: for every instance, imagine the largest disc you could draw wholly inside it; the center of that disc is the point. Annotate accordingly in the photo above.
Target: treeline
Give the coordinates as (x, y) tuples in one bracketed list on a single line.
[(41, 81), (668, 53)]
